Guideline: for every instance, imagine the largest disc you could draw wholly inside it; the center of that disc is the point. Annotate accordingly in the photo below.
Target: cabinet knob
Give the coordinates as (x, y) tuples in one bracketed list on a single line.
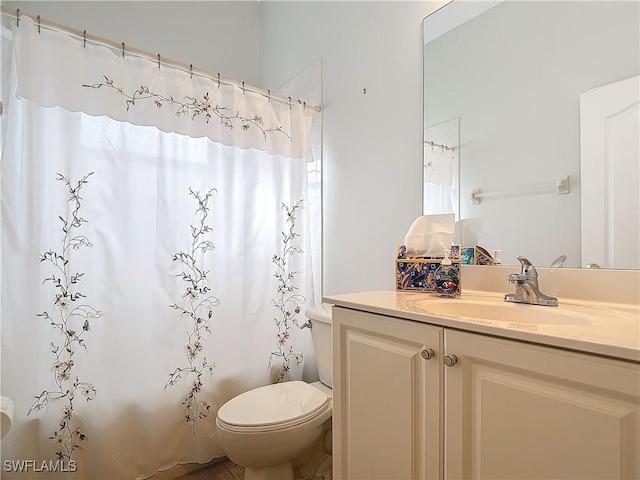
[(449, 360), (427, 353)]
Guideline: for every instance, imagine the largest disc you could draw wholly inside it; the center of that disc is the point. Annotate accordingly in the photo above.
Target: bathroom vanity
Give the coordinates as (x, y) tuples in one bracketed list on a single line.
[(472, 387)]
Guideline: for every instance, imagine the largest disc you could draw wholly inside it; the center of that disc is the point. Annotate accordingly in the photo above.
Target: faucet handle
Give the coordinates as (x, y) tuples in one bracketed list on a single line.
[(528, 270)]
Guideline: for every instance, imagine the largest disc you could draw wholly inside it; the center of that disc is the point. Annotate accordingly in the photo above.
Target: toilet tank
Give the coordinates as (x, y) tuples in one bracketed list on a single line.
[(320, 317)]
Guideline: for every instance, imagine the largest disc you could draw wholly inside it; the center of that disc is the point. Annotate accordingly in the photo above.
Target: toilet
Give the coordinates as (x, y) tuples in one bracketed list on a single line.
[(266, 429)]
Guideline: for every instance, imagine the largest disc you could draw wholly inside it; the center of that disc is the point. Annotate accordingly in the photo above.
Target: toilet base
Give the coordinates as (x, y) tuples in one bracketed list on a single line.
[(274, 472)]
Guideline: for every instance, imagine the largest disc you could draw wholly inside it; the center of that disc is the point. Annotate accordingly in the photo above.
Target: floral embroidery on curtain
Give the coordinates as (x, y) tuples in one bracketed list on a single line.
[(197, 306), (193, 107), (287, 301), (72, 320)]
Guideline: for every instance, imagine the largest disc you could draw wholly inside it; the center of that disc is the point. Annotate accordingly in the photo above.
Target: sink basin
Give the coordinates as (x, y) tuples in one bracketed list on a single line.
[(487, 311)]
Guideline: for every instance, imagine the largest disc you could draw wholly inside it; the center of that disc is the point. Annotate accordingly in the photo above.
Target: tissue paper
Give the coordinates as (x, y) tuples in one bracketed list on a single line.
[(429, 235), (467, 232)]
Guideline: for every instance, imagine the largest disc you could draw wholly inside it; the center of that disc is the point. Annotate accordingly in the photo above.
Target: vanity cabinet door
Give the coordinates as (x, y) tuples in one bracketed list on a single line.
[(387, 407), (515, 410)]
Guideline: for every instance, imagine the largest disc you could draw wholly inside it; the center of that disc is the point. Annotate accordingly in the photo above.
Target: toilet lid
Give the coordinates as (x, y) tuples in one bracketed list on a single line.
[(277, 404)]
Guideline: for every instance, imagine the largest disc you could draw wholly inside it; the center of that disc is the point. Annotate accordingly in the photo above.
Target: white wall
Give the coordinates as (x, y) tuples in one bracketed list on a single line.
[(372, 142), (217, 36)]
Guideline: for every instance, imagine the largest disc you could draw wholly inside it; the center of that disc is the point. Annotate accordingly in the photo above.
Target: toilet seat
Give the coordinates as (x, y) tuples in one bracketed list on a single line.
[(273, 407)]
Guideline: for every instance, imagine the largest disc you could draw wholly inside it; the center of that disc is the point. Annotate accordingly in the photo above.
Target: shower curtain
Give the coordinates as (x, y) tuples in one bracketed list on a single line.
[(155, 258)]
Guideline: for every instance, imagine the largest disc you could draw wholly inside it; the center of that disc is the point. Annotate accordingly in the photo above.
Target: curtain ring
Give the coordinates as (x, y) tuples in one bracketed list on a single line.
[(38, 17), (122, 49), (191, 69), (158, 61), (268, 96), (304, 105), (289, 103), (242, 88), (17, 17), (218, 80), (84, 39)]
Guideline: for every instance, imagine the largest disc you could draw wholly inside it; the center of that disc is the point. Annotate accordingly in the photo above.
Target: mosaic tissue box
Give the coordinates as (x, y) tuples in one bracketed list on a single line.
[(415, 274)]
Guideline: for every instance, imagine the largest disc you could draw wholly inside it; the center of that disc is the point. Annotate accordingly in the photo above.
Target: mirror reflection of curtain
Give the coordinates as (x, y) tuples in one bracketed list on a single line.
[(441, 167), (6, 45), (137, 212)]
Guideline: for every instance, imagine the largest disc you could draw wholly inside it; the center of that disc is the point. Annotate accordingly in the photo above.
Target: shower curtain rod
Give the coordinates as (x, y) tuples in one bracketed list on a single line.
[(127, 50), (438, 145)]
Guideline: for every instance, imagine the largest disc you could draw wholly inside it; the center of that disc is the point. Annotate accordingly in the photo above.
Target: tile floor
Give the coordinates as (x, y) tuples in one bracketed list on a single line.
[(223, 470), (227, 470)]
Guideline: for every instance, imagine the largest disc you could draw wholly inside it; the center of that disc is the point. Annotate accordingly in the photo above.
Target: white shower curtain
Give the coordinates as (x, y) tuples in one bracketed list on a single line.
[(136, 200)]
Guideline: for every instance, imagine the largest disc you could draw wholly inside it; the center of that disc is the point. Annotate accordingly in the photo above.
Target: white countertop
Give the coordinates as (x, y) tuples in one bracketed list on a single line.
[(609, 329)]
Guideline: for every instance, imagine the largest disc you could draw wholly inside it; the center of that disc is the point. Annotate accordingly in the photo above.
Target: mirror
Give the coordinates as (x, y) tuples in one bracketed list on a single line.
[(510, 75)]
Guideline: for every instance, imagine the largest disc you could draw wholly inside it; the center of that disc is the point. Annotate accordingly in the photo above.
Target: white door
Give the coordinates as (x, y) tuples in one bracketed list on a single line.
[(610, 160)]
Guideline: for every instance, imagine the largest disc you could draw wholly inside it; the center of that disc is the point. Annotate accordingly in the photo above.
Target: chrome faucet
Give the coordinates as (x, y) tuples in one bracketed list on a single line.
[(527, 290)]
